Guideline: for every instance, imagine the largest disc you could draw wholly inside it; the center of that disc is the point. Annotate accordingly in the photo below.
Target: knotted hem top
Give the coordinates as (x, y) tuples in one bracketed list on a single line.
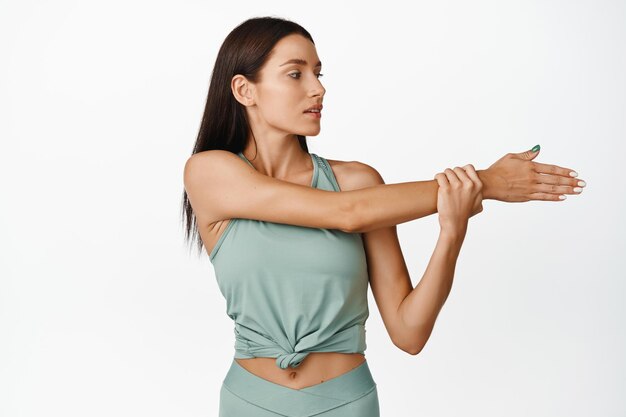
[(293, 290), (250, 344)]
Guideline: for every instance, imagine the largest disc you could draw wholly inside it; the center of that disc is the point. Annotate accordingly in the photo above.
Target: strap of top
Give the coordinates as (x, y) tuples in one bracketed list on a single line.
[(241, 155), (325, 166)]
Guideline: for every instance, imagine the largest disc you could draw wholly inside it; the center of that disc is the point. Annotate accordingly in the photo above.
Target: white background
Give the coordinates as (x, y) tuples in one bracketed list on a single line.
[(104, 311)]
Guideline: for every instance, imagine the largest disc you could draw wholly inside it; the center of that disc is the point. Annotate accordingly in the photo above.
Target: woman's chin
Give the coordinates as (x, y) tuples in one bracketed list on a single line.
[(311, 132)]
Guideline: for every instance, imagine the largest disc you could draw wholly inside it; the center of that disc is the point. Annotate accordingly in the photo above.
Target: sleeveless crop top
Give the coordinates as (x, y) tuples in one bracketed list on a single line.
[(292, 290)]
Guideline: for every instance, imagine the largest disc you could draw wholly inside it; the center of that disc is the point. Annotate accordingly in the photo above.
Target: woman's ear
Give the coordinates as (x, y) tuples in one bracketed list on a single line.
[(242, 90)]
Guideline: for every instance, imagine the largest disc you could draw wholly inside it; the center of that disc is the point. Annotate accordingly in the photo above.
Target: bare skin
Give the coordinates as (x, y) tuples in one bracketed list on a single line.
[(221, 186)]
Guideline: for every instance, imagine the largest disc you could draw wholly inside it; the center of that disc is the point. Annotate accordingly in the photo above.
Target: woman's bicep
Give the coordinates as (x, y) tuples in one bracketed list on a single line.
[(220, 186)]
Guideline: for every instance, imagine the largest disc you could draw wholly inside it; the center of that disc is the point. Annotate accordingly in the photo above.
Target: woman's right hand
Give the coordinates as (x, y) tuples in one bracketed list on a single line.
[(459, 197)]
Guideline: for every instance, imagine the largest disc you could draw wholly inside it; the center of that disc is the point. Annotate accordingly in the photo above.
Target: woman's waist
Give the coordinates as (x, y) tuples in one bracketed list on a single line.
[(316, 368)]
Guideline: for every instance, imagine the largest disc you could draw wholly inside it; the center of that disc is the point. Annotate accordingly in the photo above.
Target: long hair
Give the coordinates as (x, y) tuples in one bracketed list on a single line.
[(224, 123)]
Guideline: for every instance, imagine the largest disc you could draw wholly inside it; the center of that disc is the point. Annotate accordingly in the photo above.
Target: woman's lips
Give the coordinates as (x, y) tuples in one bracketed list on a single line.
[(315, 115)]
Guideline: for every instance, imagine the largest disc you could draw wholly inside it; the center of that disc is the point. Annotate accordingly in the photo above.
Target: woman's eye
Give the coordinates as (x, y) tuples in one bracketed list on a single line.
[(298, 75)]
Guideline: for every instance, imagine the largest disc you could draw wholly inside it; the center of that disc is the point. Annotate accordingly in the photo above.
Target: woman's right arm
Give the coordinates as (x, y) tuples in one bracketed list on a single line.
[(220, 186)]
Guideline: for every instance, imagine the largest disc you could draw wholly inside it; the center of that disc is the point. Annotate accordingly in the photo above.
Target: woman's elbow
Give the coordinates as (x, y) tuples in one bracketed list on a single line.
[(411, 349)]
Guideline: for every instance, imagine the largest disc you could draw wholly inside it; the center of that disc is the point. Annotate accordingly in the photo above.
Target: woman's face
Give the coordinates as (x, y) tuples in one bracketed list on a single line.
[(286, 89)]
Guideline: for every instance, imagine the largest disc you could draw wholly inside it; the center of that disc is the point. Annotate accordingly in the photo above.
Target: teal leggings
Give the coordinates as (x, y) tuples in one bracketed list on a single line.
[(352, 394)]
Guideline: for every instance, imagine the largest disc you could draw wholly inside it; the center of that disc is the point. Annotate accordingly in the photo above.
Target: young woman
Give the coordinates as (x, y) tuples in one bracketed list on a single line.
[(295, 239)]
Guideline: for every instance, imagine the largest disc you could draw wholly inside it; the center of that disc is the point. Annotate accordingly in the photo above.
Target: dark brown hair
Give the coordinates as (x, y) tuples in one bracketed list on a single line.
[(224, 124)]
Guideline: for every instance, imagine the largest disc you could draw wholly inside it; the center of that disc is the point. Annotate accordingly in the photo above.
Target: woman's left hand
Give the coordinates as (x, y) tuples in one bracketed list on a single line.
[(516, 178)]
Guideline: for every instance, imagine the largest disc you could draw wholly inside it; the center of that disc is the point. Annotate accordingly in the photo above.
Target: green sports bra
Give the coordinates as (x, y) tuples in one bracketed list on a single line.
[(292, 290)]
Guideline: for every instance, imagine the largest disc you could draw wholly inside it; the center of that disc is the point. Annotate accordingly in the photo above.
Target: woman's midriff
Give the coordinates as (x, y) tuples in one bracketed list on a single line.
[(316, 368)]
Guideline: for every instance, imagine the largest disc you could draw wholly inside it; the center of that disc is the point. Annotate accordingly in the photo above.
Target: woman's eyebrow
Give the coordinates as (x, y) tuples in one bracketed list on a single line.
[(300, 62)]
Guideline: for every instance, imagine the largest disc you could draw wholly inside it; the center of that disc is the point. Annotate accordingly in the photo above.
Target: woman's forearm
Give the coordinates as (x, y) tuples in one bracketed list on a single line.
[(419, 310), (390, 204)]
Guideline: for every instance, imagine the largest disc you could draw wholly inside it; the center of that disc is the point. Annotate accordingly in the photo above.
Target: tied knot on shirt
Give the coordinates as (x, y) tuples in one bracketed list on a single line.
[(254, 344), (290, 359)]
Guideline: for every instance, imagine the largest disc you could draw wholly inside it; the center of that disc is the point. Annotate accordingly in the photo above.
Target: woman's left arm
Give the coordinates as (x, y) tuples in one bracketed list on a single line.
[(512, 178), (388, 275)]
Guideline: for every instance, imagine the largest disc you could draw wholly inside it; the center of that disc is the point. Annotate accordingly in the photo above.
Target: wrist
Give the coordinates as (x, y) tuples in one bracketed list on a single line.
[(454, 235), (488, 186)]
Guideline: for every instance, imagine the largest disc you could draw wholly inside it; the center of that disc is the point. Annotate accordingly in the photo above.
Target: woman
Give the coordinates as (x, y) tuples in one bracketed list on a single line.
[(295, 239)]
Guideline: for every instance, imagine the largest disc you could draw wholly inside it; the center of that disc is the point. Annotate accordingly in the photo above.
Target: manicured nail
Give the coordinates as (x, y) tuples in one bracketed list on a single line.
[(582, 183), (562, 197), (578, 190), (573, 174), (535, 148)]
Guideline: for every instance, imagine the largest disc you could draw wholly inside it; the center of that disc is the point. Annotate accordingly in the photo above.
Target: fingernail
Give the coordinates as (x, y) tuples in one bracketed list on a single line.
[(535, 148), (562, 197), (578, 190), (573, 174), (582, 183)]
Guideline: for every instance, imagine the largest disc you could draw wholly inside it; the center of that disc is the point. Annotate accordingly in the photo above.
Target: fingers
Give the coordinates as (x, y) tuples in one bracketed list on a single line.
[(442, 179), (555, 180), (551, 169), (471, 173), (465, 175), (462, 175), (545, 197), (558, 180), (554, 189), (452, 177)]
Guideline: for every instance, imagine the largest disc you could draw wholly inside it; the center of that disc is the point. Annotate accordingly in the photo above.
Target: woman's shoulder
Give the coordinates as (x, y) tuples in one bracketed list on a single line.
[(353, 175)]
